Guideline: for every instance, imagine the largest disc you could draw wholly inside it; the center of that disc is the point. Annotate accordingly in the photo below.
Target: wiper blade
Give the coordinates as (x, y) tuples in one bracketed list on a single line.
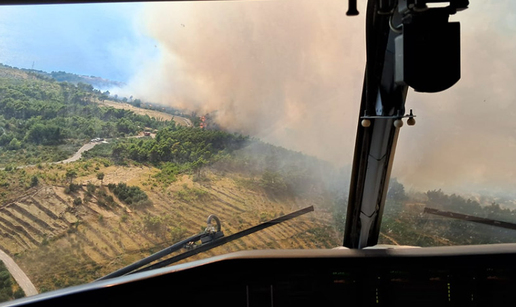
[(152, 257), (210, 238), (471, 218)]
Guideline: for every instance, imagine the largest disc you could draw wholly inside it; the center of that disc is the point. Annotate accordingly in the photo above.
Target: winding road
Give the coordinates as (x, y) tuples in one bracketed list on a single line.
[(78, 154)]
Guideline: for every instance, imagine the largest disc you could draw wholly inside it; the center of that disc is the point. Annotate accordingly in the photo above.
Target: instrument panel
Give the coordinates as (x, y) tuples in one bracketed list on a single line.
[(439, 276)]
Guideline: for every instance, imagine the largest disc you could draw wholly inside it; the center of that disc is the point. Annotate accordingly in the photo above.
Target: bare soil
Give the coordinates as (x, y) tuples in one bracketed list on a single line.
[(152, 113)]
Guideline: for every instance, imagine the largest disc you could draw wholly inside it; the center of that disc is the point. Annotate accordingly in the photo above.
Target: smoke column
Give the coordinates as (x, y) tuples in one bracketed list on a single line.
[(290, 72)]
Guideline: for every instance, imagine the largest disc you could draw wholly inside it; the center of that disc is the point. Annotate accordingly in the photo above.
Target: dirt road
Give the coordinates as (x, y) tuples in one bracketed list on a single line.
[(17, 273), (76, 156)]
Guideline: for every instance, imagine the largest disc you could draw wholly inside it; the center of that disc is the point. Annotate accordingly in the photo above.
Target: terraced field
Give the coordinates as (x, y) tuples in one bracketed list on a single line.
[(59, 243), (26, 222)]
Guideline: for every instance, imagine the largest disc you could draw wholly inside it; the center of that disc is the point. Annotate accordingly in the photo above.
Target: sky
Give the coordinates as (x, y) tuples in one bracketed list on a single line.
[(102, 40), (289, 72)]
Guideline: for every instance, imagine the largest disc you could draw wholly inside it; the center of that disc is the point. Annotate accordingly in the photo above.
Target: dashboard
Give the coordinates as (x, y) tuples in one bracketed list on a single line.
[(438, 276)]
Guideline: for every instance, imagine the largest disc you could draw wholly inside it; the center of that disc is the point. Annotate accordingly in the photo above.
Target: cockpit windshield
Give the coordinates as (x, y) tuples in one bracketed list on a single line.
[(123, 126)]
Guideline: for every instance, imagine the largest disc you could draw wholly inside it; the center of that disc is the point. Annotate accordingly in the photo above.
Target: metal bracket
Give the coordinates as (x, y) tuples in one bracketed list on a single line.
[(211, 232)]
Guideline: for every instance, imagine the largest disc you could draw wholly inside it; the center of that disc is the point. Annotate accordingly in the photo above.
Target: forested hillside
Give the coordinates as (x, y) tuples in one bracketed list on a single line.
[(43, 120), (406, 223)]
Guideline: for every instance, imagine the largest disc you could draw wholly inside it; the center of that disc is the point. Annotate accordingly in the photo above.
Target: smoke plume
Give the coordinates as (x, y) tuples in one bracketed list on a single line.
[(290, 72)]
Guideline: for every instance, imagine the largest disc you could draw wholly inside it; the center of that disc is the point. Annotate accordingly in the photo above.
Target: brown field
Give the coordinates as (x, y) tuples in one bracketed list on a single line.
[(152, 113), (60, 244)]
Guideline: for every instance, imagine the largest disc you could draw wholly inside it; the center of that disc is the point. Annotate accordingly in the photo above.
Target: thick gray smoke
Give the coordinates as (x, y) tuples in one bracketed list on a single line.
[(465, 138), (291, 73)]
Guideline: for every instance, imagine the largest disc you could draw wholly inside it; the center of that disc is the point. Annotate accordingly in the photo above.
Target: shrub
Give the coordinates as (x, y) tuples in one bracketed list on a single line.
[(72, 188), (153, 223), (273, 182), (90, 187), (19, 293), (131, 195), (177, 233), (191, 194), (34, 181), (123, 218)]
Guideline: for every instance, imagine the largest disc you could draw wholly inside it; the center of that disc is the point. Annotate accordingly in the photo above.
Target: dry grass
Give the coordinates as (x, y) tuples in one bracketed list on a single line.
[(102, 238), (140, 111)]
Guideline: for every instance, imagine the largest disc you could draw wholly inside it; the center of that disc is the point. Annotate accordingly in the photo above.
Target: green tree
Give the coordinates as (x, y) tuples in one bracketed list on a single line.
[(396, 191), (14, 144), (71, 175), (100, 176), (5, 139), (19, 293), (103, 97), (273, 182), (34, 181), (198, 165)]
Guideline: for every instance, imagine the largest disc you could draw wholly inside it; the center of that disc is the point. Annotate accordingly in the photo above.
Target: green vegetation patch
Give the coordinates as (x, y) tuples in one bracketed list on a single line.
[(9, 289), (130, 195), (191, 194)]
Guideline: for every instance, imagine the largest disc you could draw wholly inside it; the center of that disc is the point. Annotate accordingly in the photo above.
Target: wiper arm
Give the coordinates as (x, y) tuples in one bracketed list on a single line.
[(153, 257), (471, 218), (210, 238)]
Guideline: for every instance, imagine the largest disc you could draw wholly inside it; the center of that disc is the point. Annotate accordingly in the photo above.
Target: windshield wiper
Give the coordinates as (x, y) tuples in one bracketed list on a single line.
[(210, 238), (471, 218)]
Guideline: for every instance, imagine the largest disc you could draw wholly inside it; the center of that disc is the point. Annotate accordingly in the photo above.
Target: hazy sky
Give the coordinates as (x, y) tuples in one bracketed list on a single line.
[(103, 40)]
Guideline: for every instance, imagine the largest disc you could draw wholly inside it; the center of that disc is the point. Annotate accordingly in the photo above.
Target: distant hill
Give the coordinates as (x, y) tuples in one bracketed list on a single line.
[(61, 76)]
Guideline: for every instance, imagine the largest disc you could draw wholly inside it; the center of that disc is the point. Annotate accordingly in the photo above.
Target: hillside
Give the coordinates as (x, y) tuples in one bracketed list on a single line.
[(67, 224), (60, 242), (130, 196), (61, 76), (42, 120)]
